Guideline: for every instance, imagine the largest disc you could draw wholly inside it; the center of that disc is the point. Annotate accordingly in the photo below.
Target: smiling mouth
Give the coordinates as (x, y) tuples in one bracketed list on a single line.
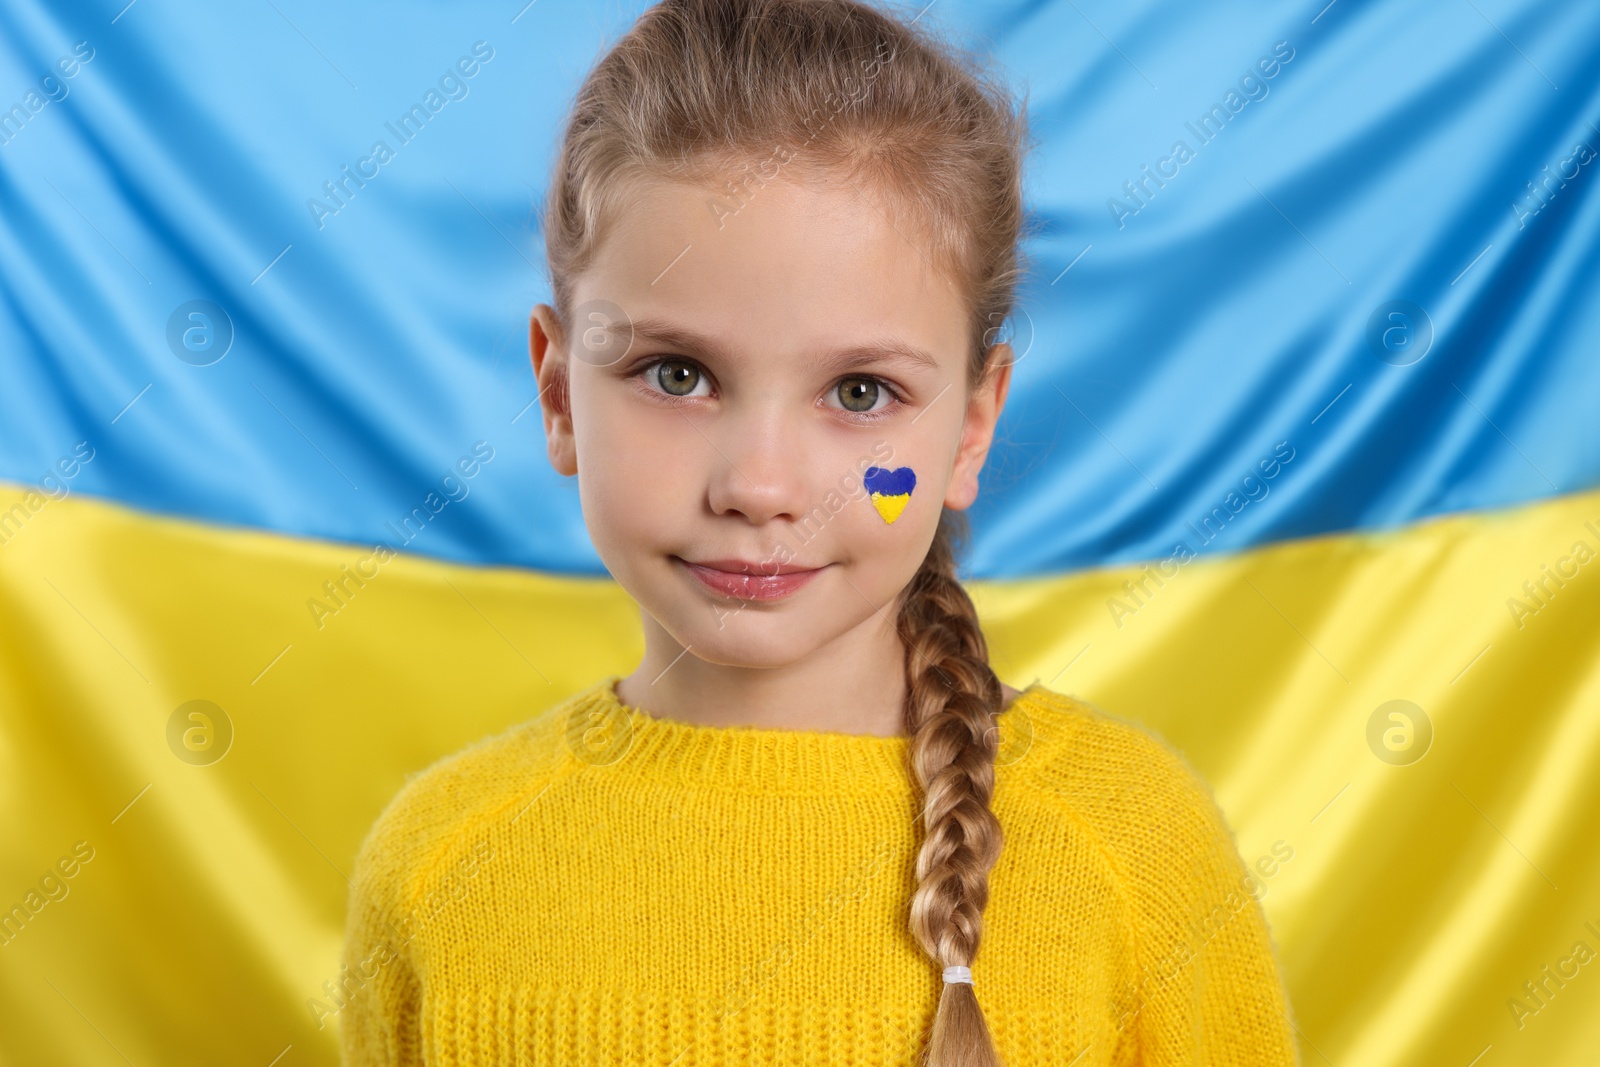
[(745, 581)]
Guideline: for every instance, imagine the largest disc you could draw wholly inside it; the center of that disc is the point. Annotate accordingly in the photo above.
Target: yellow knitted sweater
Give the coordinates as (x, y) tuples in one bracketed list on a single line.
[(598, 886)]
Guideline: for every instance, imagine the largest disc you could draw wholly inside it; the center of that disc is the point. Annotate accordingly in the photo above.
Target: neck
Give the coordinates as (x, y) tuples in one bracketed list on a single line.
[(853, 685)]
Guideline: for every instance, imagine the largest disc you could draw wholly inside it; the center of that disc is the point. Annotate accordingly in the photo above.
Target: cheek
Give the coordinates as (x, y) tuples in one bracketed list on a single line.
[(901, 490), (634, 473), (903, 544), (634, 493), (884, 557), (891, 550)]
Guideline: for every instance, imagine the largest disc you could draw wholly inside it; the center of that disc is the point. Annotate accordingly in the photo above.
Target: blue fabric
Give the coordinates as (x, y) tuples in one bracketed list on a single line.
[(1198, 318)]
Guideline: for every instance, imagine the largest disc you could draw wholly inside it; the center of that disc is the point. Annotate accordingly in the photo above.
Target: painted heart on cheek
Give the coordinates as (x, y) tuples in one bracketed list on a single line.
[(890, 489)]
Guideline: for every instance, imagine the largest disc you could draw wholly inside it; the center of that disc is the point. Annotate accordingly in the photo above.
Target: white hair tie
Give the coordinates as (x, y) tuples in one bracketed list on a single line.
[(958, 974)]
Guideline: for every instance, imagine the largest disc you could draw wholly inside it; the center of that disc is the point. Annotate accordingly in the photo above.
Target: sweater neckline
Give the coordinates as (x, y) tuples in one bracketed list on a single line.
[(750, 759)]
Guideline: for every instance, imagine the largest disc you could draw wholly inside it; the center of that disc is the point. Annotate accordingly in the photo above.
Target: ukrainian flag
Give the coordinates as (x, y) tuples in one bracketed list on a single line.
[(1299, 470), (889, 489)]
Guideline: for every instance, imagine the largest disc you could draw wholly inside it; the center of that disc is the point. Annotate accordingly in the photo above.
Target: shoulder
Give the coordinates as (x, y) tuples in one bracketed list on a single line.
[(1072, 744), (1126, 783), (430, 817)]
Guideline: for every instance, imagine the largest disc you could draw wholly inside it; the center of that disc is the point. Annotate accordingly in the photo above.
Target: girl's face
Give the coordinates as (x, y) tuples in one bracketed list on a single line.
[(732, 375)]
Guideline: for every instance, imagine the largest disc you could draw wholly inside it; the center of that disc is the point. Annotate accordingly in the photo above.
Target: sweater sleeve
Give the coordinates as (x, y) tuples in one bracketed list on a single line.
[(1207, 987), (380, 1017), (387, 931)]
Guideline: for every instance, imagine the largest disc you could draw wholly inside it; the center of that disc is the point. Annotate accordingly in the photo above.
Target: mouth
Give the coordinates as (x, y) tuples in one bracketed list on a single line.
[(742, 580)]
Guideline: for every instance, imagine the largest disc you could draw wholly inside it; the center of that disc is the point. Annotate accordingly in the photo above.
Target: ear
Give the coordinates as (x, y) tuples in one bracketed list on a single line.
[(548, 348), (977, 432)]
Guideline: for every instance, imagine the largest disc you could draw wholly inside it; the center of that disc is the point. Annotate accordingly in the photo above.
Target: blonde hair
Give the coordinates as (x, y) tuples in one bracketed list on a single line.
[(719, 93)]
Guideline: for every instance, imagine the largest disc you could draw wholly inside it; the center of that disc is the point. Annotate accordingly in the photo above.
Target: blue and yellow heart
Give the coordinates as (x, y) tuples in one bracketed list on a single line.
[(890, 489)]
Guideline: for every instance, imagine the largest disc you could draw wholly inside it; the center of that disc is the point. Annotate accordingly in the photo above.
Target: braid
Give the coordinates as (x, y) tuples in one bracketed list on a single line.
[(952, 699)]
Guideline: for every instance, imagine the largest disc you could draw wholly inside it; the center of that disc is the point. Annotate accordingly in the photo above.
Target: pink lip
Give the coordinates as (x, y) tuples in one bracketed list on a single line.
[(754, 583)]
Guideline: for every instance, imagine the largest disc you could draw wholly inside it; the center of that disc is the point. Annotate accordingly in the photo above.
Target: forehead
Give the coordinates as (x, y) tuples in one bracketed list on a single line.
[(799, 266)]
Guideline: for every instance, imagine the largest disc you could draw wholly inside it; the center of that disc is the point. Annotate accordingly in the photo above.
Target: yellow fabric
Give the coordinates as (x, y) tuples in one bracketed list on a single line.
[(1419, 903), (598, 886)]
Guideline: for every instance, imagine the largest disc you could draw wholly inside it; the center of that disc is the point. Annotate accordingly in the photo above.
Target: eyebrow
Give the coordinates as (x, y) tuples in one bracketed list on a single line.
[(672, 335)]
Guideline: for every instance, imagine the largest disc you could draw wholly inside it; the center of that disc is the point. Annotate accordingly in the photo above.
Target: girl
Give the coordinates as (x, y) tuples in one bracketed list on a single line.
[(780, 233)]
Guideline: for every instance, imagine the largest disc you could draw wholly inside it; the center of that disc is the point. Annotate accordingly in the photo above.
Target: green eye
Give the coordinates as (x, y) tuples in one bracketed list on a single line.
[(858, 394), (677, 378)]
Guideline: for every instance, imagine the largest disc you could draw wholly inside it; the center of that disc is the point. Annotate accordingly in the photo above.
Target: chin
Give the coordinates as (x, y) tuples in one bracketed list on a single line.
[(746, 642)]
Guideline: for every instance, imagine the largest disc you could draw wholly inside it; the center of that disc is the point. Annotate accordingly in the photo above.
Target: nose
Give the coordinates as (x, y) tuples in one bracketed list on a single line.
[(759, 470)]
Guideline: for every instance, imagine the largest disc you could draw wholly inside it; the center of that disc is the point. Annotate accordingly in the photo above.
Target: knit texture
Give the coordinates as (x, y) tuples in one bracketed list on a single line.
[(599, 886)]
